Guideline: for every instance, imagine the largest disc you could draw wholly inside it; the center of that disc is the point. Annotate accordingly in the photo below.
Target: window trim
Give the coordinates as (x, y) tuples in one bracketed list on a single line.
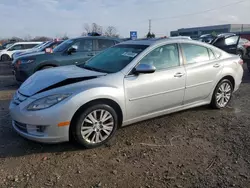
[(181, 60)]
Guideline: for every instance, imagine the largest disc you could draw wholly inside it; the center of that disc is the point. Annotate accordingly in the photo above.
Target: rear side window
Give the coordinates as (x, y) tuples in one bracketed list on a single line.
[(195, 53), (102, 44)]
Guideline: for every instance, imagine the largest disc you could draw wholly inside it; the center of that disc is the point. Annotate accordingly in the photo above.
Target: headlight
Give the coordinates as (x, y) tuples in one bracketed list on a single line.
[(47, 102)]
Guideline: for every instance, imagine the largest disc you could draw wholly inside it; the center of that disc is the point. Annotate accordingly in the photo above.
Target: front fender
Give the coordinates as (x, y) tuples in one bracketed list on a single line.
[(46, 63), (111, 93)]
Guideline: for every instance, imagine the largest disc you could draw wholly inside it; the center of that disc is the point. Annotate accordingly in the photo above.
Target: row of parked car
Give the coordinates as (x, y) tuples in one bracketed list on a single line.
[(72, 51)]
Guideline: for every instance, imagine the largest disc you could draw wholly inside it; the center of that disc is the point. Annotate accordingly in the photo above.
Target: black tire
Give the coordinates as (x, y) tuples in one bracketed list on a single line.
[(240, 53), (5, 57), (75, 130), (214, 103), (46, 67)]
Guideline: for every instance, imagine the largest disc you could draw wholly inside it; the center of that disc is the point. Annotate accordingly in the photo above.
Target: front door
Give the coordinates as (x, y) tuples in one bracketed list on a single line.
[(84, 51), (151, 93), (202, 70)]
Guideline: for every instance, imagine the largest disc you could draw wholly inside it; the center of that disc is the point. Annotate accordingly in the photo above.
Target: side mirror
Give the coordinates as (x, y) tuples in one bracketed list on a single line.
[(144, 69), (71, 50)]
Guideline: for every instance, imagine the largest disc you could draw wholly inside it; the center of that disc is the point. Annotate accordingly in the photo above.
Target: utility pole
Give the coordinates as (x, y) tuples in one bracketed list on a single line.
[(149, 26)]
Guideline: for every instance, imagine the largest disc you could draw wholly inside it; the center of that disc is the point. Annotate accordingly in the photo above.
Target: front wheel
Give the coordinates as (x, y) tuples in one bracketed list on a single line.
[(222, 94), (95, 126)]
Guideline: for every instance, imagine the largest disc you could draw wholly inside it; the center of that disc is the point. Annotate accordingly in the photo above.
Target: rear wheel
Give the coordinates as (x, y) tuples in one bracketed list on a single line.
[(5, 57), (240, 53), (95, 126), (222, 94)]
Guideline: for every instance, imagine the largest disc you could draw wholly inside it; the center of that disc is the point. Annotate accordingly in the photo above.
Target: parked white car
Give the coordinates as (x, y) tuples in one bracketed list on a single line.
[(6, 54)]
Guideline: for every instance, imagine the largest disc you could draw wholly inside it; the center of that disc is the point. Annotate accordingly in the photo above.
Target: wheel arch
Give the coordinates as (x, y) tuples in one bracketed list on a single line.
[(45, 64), (228, 77), (5, 55), (107, 101)]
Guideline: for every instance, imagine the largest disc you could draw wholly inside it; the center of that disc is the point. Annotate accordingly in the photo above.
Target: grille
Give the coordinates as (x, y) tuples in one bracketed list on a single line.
[(18, 98), (21, 126)]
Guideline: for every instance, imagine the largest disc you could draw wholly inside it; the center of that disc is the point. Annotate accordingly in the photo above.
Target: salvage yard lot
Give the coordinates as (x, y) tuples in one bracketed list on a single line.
[(194, 148)]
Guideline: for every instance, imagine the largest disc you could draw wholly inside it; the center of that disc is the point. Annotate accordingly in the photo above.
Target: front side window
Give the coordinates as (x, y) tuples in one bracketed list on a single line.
[(195, 53), (85, 45), (103, 44), (16, 47), (163, 57), (114, 59)]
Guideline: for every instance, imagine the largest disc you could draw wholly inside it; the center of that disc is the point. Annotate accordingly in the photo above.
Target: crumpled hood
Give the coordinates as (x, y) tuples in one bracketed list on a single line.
[(56, 77)]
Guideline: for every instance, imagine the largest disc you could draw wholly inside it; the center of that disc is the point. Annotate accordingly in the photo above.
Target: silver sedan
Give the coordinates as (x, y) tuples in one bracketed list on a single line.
[(127, 83)]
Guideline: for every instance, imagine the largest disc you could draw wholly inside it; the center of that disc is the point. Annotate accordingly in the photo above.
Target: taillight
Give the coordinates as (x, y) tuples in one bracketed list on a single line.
[(18, 63), (241, 62)]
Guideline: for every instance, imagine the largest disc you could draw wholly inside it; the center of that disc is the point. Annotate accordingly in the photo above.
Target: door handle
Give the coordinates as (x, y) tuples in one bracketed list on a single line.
[(179, 74), (216, 65)]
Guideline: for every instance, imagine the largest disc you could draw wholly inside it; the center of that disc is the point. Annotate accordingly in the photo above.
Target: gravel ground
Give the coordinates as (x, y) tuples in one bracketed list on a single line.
[(197, 148)]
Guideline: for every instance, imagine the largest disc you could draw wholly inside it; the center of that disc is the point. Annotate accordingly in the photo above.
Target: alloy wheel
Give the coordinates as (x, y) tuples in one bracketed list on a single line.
[(223, 94), (97, 126)]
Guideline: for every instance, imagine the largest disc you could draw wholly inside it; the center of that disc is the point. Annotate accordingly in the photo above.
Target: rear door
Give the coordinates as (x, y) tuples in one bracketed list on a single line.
[(228, 44)]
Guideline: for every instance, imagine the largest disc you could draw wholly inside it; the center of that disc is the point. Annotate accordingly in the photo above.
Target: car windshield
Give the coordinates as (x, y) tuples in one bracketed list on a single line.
[(114, 59), (63, 46)]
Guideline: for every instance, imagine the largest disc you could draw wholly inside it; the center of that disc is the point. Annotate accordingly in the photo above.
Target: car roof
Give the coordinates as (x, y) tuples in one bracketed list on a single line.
[(154, 41), (97, 37)]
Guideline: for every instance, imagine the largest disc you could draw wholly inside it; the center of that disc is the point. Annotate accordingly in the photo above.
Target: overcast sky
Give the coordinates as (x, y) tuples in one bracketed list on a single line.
[(56, 17)]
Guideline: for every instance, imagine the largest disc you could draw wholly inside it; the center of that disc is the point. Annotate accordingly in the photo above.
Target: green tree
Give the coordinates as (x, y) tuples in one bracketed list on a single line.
[(150, 35)]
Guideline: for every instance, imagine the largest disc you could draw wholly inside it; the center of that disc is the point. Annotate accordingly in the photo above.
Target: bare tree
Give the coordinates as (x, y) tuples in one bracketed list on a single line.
[(27, 38), (94, 28), (111, 31), (87, 28)]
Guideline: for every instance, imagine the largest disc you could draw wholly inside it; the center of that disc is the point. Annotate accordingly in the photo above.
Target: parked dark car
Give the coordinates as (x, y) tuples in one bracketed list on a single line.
[(234, 44), (70, 52)]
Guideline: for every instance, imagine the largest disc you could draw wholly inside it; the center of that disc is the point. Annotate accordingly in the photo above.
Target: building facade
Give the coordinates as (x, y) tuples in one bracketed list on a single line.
[(196, 32)]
